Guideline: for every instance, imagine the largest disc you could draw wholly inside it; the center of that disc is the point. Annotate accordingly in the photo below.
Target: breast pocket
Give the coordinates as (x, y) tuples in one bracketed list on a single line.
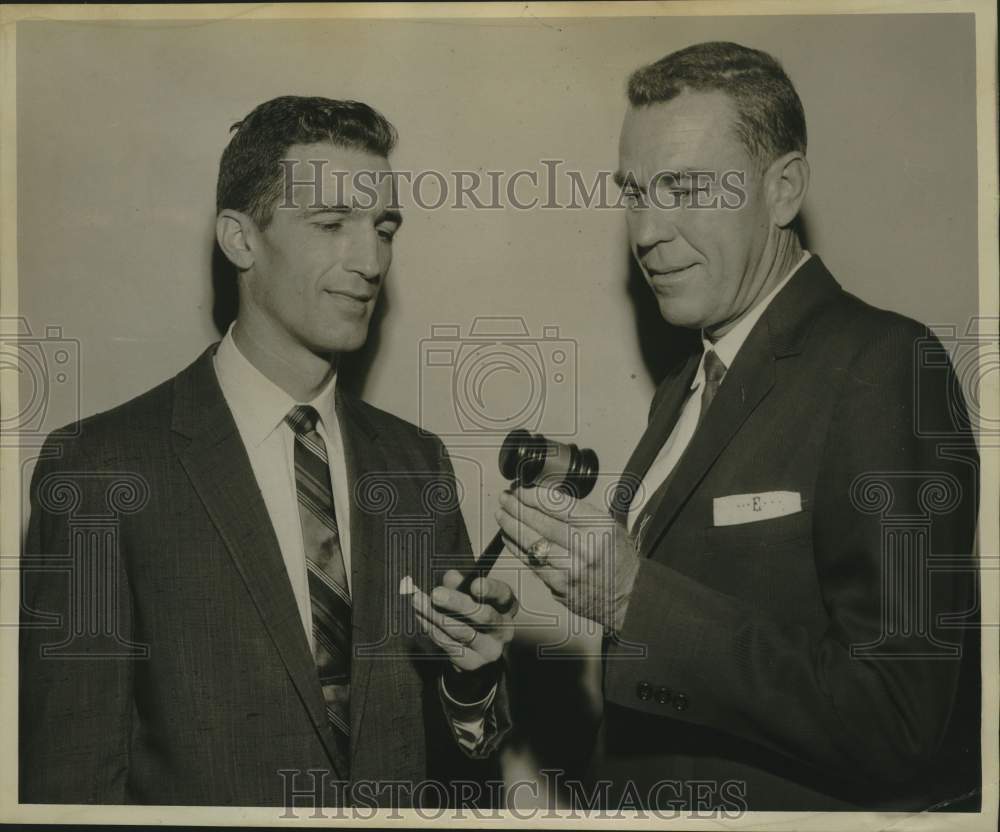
[(761, 533)]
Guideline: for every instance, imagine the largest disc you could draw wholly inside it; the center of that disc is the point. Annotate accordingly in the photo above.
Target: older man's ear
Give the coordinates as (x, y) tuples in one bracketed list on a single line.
[(786, 184)]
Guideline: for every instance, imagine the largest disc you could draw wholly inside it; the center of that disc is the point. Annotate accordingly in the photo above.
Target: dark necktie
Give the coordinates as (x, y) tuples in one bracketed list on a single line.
[(329, 595), (715, 370)]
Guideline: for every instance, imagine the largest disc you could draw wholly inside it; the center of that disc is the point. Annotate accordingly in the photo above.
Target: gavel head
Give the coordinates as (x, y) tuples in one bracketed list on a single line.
[(531, 459)]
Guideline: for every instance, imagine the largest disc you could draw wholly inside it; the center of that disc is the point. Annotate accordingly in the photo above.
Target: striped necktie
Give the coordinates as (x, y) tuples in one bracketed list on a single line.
[(329, 594)]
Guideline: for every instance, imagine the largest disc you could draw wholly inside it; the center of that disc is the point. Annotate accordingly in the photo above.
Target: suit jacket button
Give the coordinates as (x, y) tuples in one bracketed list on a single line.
[(680, 702), (663, 696), (644, 690)]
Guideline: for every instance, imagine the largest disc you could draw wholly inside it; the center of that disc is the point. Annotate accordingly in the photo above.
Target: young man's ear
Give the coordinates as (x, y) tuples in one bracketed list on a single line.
[(234, 231), (787, 183)]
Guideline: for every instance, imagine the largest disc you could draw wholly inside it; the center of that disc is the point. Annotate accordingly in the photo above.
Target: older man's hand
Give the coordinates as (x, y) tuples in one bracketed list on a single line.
[(583, 556)]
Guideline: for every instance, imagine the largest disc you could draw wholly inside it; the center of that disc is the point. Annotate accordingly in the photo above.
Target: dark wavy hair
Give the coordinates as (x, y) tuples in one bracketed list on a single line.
[(250, 171)]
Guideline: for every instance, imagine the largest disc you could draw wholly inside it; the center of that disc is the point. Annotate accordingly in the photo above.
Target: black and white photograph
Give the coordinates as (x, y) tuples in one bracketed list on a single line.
[(566, 414)]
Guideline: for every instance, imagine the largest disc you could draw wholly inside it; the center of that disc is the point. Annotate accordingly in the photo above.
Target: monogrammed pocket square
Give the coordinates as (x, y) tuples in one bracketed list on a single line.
[(750, 508)]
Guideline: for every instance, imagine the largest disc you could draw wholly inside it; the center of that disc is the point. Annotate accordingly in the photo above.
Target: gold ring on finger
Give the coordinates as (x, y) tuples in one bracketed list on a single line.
[(538, 552)]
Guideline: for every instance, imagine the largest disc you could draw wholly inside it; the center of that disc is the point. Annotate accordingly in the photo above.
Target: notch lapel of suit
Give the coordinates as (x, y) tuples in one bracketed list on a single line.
[(746, 383), (662, 420), (219, 468), (366, 465)]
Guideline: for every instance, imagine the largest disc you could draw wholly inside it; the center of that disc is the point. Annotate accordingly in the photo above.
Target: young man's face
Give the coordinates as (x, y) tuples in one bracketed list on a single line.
[(320, 263), (699, 261)]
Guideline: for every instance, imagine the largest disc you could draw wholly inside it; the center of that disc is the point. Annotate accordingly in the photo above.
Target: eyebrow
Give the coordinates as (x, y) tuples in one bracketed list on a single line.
[(390, 215), (312, 210), (621, 179), (673, 177), (669, 177)]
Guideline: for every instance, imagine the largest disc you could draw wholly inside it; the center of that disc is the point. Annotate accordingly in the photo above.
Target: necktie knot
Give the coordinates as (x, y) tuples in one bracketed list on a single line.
[(715, 369), (302, 419)]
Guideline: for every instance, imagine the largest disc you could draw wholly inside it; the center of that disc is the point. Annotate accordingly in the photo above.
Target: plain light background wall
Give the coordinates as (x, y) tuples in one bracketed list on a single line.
[(121, 125)]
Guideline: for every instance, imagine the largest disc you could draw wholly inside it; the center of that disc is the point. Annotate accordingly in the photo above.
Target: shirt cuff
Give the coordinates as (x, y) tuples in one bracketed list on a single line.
[(468, 721)]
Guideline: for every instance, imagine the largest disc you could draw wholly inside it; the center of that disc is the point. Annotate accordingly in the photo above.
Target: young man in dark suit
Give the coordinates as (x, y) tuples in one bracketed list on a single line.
[(788, 591), (239, 636)]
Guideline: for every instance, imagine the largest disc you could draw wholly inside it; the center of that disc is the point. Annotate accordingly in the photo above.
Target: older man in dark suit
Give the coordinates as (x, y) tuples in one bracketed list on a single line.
[(239, 635), (778, 634)]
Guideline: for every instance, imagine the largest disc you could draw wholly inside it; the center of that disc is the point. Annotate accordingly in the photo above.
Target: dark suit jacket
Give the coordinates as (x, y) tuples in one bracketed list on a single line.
[(163, 658), (801, 661)]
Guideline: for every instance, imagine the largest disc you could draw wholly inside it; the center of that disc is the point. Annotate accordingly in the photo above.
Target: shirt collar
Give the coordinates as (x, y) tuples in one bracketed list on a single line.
[(258, 404), (728, 346)]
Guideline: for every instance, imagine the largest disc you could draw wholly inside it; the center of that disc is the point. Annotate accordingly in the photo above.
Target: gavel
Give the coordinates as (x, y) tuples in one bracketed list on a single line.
[(529, 459)]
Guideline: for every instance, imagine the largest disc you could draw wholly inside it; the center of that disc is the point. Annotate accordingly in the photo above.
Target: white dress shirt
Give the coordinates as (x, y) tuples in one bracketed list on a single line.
[(727, 348), (259, 408)]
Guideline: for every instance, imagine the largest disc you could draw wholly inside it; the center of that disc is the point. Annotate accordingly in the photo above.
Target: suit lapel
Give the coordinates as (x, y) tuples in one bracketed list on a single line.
[(746, 384), (665, 413), (212, 452), (780, 333), (363, 456)]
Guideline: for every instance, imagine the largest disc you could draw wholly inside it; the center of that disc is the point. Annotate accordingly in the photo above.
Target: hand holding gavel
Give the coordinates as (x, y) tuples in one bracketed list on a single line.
[(528, 460), (586, 559)]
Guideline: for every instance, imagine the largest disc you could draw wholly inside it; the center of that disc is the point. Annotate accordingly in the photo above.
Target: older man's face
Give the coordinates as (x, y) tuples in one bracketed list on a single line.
[(701, 262)]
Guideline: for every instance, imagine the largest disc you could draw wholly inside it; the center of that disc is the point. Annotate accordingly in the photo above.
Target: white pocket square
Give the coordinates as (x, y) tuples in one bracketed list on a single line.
[(749, 508)]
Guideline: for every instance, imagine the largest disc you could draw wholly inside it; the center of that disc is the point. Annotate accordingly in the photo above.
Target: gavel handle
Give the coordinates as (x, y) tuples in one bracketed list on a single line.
[(484, 564)]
